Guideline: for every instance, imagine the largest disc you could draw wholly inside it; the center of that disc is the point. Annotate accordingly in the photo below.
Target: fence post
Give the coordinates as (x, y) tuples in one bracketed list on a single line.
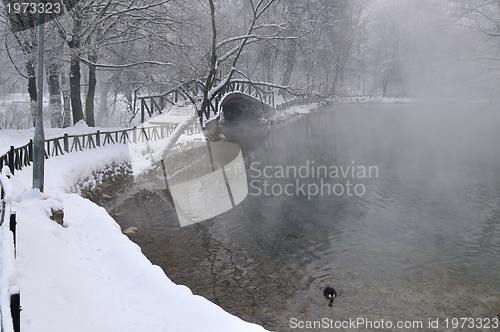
[(30, 150), (98, 138), (134, 134), (142, 111), (15, 309), (12, 226), (162, 131), (66, 142), (11, 159)]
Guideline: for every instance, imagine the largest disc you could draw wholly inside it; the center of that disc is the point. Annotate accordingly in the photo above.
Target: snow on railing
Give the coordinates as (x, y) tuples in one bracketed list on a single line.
[(299, 101), (10, 303), (5, 191), (191, 91), (187, 91), (364, 97), (17, 158)]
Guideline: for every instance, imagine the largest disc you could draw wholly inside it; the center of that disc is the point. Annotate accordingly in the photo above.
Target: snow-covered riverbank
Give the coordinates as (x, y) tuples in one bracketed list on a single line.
[(85, 275), (88, 276)]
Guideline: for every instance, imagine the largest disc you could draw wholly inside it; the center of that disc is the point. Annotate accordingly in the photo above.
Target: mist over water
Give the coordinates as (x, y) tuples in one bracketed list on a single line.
[(420, 241), (423, 241)]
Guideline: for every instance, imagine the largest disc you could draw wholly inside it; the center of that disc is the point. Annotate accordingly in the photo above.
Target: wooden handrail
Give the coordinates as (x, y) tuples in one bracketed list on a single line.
[(17, 158)]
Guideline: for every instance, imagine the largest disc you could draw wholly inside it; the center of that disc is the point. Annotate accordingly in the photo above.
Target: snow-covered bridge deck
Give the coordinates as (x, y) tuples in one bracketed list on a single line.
[(253, 91)]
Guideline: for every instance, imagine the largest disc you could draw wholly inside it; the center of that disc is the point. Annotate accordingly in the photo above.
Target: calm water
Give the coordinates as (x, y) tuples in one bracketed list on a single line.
[(422, 242)]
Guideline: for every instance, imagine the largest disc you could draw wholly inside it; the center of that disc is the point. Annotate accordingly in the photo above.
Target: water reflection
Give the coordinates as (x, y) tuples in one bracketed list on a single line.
[(424, 241)]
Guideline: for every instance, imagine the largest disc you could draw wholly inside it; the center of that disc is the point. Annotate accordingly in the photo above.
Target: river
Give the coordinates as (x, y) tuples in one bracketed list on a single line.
[(419, 239)]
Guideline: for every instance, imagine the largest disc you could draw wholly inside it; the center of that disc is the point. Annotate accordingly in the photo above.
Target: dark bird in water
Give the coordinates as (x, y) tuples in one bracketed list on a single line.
[(330, 293)]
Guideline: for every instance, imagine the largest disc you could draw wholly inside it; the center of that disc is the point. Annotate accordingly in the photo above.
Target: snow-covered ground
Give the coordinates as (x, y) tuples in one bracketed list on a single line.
[(294, 111), (86, 275)]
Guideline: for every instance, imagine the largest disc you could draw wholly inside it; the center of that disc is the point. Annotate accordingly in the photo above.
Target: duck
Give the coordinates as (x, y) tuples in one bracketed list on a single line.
[(330, 293)]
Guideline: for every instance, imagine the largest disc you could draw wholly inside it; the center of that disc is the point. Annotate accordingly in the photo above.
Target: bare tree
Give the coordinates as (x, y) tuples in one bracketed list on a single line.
[(225, 54), (24, 42), (95, 28)]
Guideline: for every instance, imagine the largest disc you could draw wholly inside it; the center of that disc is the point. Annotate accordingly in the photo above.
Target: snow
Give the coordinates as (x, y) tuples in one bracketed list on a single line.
[(86, 275), (279, 99), (17, 138), (281, 115), (62, 172), (8, 274), (294, 111), (144, 154), (6, 184), (372, 99)]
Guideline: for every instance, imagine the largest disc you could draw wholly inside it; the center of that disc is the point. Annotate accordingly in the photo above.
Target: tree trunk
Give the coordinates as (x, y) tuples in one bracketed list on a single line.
[(89, 101), (53, 72), (30, 70), (66, 101), (74, 84), (291, 52), (333, 90), (74, 68), (339, 73), (205, 106), (103, 103), (290, 58)]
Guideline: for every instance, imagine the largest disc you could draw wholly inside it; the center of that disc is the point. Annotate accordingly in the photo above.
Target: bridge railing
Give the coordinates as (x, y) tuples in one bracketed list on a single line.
[(153, 104), (17, 158), (149, 105), (299, 101), (10, 296), (246, 87), (192, 91)]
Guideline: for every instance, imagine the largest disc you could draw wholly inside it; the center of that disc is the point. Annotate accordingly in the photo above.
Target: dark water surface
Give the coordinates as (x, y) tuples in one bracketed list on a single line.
[(422, 242)]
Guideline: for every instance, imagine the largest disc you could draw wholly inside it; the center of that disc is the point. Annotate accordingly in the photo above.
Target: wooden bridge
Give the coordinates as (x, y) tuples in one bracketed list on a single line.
[(259, 93)]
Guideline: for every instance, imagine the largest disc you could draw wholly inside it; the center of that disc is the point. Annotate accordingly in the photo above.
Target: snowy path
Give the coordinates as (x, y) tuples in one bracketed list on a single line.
[(87, 276)]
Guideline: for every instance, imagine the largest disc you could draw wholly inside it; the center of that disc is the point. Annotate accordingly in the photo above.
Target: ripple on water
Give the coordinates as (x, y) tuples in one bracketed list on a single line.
[(422, 242)]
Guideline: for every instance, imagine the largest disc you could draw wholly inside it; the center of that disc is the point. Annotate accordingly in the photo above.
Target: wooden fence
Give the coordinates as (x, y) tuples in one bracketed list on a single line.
[(157, 103), (17, 158)]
